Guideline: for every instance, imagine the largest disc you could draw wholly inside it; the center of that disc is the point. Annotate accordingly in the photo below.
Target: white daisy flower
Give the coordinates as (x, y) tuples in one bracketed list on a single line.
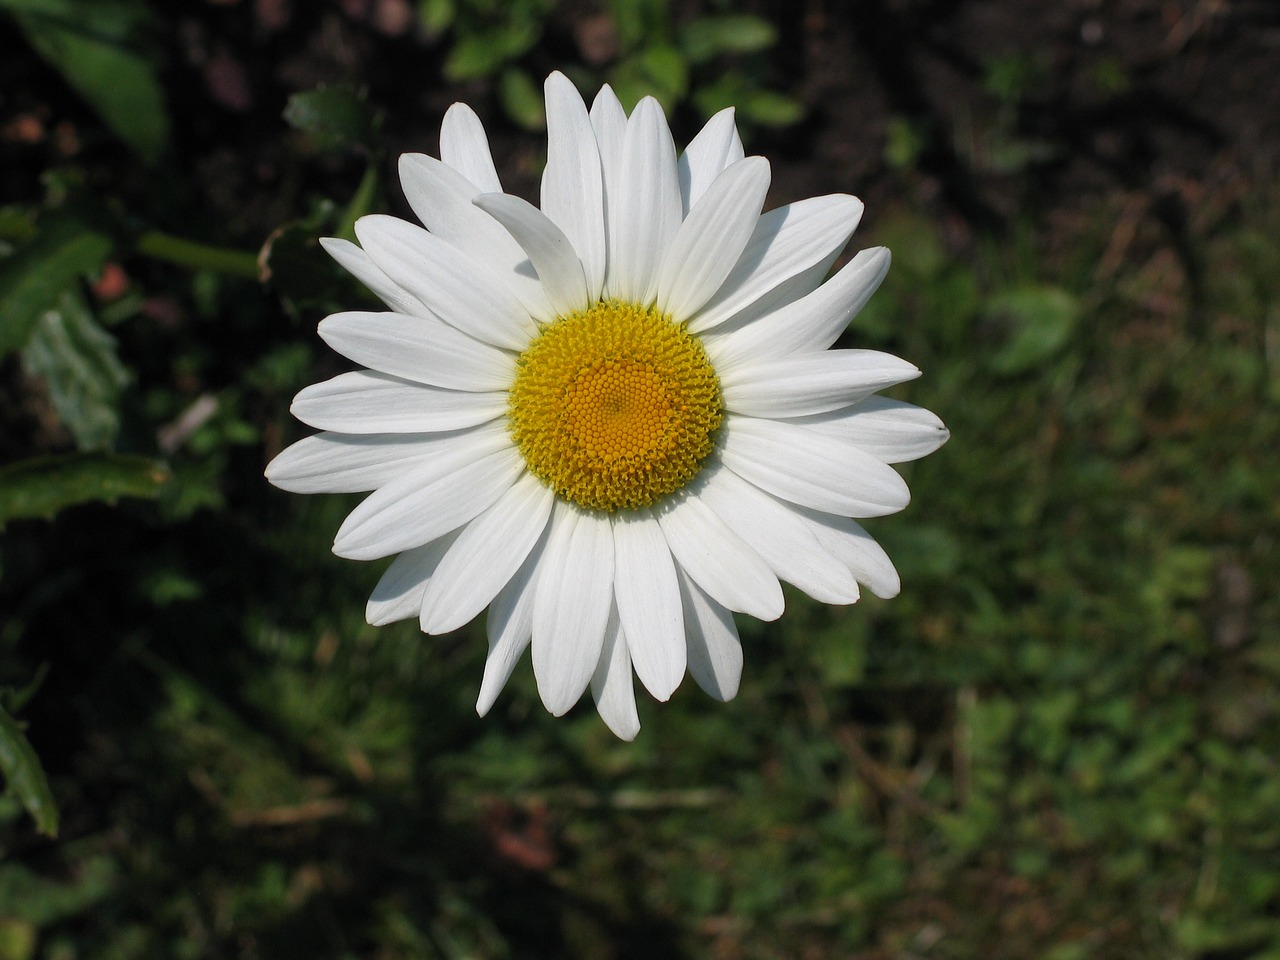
[(613, 421)]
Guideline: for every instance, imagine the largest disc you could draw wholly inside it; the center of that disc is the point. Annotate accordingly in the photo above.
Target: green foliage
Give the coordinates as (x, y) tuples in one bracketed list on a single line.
[(41, 486), (24, 776), (93, 43)]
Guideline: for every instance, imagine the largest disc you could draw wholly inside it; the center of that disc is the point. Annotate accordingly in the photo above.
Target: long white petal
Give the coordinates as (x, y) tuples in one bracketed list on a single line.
[(441, 197), (422, 349), (398, 595), (464, 146), (489, 551), (572, 185), (369, 402), (648, 600), (889, 430), (575, 592), (785, 242), (453, 285), (712, 237), (857, 548), (780, 536), (361, 266), (811, 323), (809, 383), (715, 653), (804, 467), (349, 463), (611, 685), (647, 211), (609, 121), (428, 501), (719, 560), (716, 147), (509, 628), (547, 247)]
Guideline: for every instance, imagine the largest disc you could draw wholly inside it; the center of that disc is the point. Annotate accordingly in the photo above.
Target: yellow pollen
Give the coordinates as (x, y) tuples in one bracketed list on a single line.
[(614, 407)]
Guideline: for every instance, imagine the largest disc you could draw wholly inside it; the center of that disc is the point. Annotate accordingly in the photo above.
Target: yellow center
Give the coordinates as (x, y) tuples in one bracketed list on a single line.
[(614, 407)]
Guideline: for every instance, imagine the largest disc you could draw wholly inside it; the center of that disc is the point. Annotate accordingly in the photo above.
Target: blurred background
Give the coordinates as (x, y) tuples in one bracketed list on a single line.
[(1061, 741)]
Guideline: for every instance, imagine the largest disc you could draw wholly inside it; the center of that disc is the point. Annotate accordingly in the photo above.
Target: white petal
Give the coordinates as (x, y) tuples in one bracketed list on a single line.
[(609, 121), (807, 468), (398, 595), (716, 147), (572, 185), (810, 383), (611, 685), (549, 250), (811, 323), (575, 593), (429, 500), (346, 463), (422, 349), (853, 545), (785, 242), (489, 551), (889, 430), (780, 536), (715, 653), (719, 560), (361, 266), (648, 600), (453, 285), (464, 146), (441, 197), (509, 627), (645, 210), (367, 402), (711, 239)]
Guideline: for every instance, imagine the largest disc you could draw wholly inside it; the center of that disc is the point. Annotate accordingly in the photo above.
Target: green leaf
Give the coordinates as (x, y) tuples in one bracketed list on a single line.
[(705, 38), (24, 775), (522, 99), (32, 280), (334, 117), (771, 109), (42, 486), (77, 361), (90, 42), (1041, 318)]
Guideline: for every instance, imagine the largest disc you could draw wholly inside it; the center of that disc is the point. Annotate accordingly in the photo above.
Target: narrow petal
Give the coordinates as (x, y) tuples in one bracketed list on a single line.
[(442, 199), (719, 561), (780, 536), (647, 212), (609, 121), (611, 685), (422, 349), (575, 593), (889, 430), (361, 266), (509, 628), (453, 285), (804, 467), (368, 402), (715, 653), (398, 595), (810, 323), (785, 242), (548, 249), (489, 551), (857, 548), (346, 463), (711, 239), (810, 383), (430, 500), (716, 148), (648, 600), (572, 184), (464, 146)]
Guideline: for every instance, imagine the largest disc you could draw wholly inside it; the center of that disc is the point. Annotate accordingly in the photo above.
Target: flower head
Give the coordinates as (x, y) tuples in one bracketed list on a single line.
[(613, 421)]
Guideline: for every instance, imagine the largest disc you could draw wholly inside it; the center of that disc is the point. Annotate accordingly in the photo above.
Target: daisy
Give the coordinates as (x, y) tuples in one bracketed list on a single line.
[(613, 421)]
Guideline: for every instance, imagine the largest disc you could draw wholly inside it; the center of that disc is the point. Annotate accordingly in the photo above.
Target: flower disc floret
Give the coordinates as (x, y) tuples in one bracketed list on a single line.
[(614, 407)]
